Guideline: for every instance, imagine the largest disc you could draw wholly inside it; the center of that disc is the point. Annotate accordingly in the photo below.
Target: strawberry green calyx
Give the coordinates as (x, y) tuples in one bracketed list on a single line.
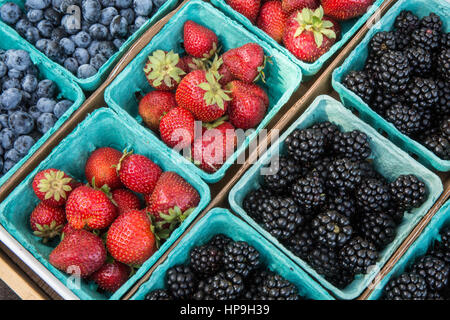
[(215, 66), (47, 232), (312, 20), (261, 75), (105, 189), (125, 154), (55, 185), (216, 123), (197, 64), (214, 93), (172, 219), (162, 67)]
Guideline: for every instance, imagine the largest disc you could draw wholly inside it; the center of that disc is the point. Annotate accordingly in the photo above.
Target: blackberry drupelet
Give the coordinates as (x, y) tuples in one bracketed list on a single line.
[(275, 287), (379, 228), (253, 200), (352, 144), (360, 83), (373, 196), (309, 193), (281, 175), (404, 118), (393, 71), (432, 21), (181, 281), (206, 259), (306, 145), (422, 93), (226, 285), (159, 294), (443, 64), (383, 100), (406, 22), (420, 61), (344, 175), (433, 270), (408, 192), (439, 145), (328, 129), (301, 243), (253, 282), (220, 241), (324, 261), (358, 255), (240, 257), (408, 286), (342, 204), (331, 229), (382, 42), (426, 38)]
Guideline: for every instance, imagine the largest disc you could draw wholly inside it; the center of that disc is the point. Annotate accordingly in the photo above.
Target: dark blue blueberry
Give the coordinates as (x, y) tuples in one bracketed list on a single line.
[(10, 13), (159, 3), (67, 45), (37, 4), (12, 154), (26, 98), (35, 15), (32, 35), (108, 3), (4, 120), (45, 122), (45, 105), (46, 89), (11, 98), (123, 4), (11, 83), (107, 14), (23, 144), (70, 24), (45, 28), (61, 107), (56, 4), (107, 49), (85, 71), (82, 56), (98, 31), (71, 64), (128, 14), (22, 25), (118, 27), (53, 50), (3, 69), (58, 33), (15, 74), (34, 112), (97, 61), (32, 70), (2, 55), (143, 7), (53, 16), (82, 39), (118, 43), (7, 137), (94, 48), (90, 10), (41, 44), (21, 122), (29, 83), (18, 59), (139, 21), (7, 165)]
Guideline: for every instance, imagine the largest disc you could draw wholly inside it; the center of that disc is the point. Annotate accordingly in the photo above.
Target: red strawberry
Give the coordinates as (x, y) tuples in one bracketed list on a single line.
[(272, 19), (100, 168), (199, 42), (164, 70), (308, 34), (346, 9), (201, 93), (46, 221), (291, 5), (130, 239), (246, 63), (220, 71), (89, 207), (138, 173), (215, 146), (248, 8), (111, 276), (154, 105), (194, 63), (53, 186), (80, 252), (177, 128), (126, 200)]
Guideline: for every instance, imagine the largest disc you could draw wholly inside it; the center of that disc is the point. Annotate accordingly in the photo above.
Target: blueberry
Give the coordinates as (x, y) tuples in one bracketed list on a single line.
[(4, 120), (123, 4), (10, 13), (53, 16), (118, 43), (12, 154), (15, 74), (67, 45), (20, 122), (97, 61), (56, 4), (118, 27), (58, 33), (37, 4), (45, 122), (46, 89), (29, 83), (45, 105), (53, 50), (34, 112), (18, 59), (26, 98), (107, 14), (86, 71), (94, 48), (11, 83), (71, 64), (23, 144), (2, 55), (35, 15), (143, 7), (159, 3), (11, 98), (3, 69), (90, 10), (45, 28), (61, 107), (7, 165), (98, 31), (107, 3), (82, 39), (7, 137), (41, 44), (65, 4), (82, 55), (128, 14), (107, 49), (32, 35), (70, 25), (139, 21), (1, 156), (22, 25), (32, 70)]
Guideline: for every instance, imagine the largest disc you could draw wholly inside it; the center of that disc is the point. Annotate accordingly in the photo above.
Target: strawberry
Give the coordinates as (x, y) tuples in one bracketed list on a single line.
[(46, 221), (130, 239), (53, 186), (154, 105), (100, 168), (89, 207), (164, 70), (80, 252), (125, 200), (138, 173), (272, 19), (215, 146), (177, 128), (199, 42), (248, 8), (345, 9), (220, 71), (201, 93), (111, 276), (308, 34), (194, 63), (246, 63), (292, 5)]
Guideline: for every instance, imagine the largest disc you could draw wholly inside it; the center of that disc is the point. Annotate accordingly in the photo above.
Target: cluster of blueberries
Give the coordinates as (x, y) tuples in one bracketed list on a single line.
[(28, 106), (81, 35)]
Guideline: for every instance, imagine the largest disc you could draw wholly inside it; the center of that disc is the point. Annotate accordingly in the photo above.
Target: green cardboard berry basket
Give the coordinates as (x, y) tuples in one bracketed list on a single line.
[(92, 83), (70, 156), (349, 28), (356, 60), (282, 76), (388, 160), (68, 89), (222, 221)]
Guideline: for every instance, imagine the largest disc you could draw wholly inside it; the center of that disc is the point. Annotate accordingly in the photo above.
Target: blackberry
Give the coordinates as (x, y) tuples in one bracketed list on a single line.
[(342, 204), (408, 286), (395, 213), (240, 257), (445, 127), (442, 107), (434, 296), (309, 192), (379, 228), (382, 42), (445, 40), (443, 64), (358, 255), (306, 145), (253, 200), (206, 259), (406, 22), (159, 294), (406, 119), (331, 229), (344, 175), (341, 279), (352, 144), (422, 93), (373, 196), (253, 282), (280, 216), (408, 192), (445, 239), (427, 120), (275, 287), (320, 168), (227, 285), (181, 281), (328, 129), (432, 21), (393, 71), (324, 261), (368, 170), (426, 38), (420, 61), (220, 241), (383, 100), (439, 145), (402, 40), (359, 82), (281, 175), (301, 243), (440, 252), (371, 65), (433, 270)]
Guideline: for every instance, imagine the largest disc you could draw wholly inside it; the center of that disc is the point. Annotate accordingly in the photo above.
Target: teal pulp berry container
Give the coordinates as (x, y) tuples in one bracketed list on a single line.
[(418, 249), (67, 88), (388, 160), (356, 61), (92, 83), (70, 156), (282, 76), (222, 221), (349, 28)]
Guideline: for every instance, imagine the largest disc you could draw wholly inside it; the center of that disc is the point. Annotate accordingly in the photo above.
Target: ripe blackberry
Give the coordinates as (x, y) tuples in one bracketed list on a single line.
[(309, 192), (408, 192), (331, 229), (408, 286), (433, 270), (226, 285), (393, 71), (253, 200), (442, 107), (324, 261), (344, 175), (280, 216), (439, 145), (383, 100), (220, 241), (382, 42), (432, 21), (301, 243), (320, 168), (406, 22), (443, 64), (445, 40), (360, 83), (420, 61), (435, 296), (352, 144), (342, 204), (379, 228), (426, 38), (281, 175), (404, 118), (427, 120), (371, 65), (253, 282), (328, 129), (395, 213), (373, 196), (206, 259), (402, 40), (275, 287), (445, 239), (358, 255), (422, 93), (240, 257), (159, 294), (181, 281), (306, 145), (440, 252), (341, 279), (445, 127)]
